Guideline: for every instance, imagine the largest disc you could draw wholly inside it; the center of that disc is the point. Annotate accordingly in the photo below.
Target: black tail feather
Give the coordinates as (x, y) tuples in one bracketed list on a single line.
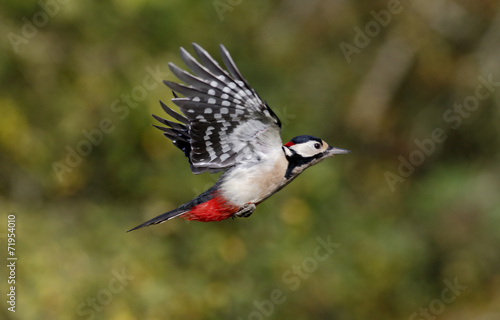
[(161, 218)]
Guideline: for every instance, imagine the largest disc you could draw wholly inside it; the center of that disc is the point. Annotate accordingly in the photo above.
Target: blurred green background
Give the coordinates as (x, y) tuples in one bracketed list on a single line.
[(416, 221)]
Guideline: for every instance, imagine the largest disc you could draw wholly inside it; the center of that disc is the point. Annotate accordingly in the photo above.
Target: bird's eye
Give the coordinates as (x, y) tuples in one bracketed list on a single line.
[(317, 145)]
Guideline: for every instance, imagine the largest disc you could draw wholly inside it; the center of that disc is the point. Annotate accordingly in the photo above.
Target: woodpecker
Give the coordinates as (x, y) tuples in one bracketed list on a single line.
[(226, 126)]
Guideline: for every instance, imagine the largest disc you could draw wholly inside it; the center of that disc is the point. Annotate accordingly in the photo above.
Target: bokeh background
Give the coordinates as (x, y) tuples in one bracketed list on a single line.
[(417, 233)]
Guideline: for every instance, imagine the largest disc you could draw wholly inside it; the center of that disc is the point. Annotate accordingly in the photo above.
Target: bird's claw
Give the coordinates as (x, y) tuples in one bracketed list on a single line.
[(246, 210)]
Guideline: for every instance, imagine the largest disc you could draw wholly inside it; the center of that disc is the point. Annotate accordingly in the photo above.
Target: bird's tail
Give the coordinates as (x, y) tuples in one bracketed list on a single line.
[(162, 218)]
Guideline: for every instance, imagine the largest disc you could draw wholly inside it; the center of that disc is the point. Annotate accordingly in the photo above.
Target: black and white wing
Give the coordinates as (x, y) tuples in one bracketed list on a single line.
[(225, 121)]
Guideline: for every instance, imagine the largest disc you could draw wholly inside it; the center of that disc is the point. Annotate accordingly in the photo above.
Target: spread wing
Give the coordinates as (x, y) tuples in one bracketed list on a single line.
[(225, 121)]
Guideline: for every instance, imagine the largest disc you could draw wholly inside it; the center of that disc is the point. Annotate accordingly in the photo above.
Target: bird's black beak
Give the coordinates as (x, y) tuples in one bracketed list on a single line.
[(331, 151)]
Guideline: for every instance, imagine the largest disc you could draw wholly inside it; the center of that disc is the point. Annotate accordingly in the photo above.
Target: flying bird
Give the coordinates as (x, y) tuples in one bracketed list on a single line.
[(226, 126)]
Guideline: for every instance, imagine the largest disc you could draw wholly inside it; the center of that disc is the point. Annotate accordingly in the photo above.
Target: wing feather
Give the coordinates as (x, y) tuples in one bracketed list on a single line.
[(174, 114), (224, 120)]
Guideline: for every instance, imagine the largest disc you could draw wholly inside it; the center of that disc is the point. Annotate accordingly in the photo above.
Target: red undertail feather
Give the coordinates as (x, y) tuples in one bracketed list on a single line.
[(215, 209)]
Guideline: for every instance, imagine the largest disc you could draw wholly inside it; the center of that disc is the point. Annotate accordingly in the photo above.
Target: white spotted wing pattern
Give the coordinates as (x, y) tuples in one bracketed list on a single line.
[(225, 122)]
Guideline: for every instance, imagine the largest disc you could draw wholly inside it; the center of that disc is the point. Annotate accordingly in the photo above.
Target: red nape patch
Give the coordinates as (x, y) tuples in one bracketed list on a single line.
[(215, 209), (289, 144)]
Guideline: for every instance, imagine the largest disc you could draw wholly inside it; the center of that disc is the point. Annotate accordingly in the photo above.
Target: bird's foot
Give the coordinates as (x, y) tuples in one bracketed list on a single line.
[(246, 210)]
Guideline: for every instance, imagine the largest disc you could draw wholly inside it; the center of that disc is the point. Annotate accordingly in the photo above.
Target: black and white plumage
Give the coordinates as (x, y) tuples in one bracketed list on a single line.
[(226, 126)]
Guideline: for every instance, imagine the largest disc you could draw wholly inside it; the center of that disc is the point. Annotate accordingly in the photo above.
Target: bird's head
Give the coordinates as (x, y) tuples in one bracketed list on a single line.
[(305, 151)]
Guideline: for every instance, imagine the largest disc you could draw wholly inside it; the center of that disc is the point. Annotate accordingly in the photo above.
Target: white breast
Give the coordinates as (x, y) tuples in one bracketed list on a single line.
[(252, 182)]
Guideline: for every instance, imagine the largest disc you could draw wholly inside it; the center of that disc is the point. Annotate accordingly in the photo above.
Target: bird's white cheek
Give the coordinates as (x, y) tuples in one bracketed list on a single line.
[(304, 150)]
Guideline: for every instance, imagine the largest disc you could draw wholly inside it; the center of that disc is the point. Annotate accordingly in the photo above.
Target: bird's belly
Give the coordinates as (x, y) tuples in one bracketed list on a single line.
[(255, 183)]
